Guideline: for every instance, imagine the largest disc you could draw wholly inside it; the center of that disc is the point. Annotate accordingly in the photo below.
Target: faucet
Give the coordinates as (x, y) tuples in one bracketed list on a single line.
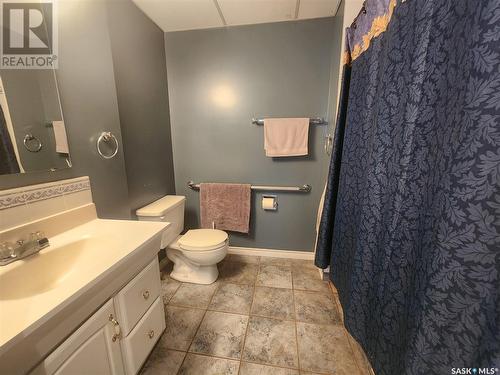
[(10, 252)]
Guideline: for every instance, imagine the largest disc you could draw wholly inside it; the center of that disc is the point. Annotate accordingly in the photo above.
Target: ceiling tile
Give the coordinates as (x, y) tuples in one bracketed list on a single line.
[(176, 15), (317, 8), (244, 12)]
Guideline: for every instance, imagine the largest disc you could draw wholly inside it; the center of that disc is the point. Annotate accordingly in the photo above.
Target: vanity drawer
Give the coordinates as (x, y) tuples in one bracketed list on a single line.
[(136, 297), (139, 343)]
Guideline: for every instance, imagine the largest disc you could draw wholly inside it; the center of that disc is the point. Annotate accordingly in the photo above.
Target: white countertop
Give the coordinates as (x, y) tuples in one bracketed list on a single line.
[(35, 289)]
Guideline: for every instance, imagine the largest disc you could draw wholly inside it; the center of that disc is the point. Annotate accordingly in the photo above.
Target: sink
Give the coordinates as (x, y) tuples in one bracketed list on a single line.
[(43, 271), (78, 259), (46, 295)]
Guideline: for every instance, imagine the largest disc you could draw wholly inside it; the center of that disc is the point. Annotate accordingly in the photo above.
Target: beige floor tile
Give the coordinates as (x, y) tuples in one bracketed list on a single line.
[(273, 261), (168, 288), (271, 342), (193, 295), (233, 298), (314, 307), (273, 302), (182, 324), (202, 365), (339, 307), (220, 334), (247, 368), (299, 264), (242, 258), (285, 289), (274, 276), (333, 289), (163, 361), (325, 349), (359, 354), (238, 273), (308, 279)]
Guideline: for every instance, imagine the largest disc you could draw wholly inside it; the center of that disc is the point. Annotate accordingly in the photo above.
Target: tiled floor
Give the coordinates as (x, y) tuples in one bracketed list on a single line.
[(264, 316)]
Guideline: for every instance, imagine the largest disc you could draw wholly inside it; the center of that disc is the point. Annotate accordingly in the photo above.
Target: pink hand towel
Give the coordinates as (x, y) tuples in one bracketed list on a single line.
[(225, 205), (286, 136)]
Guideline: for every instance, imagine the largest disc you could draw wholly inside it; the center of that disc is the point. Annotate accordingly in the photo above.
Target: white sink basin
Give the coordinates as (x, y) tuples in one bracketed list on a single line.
[(47, 269), (46, 294)]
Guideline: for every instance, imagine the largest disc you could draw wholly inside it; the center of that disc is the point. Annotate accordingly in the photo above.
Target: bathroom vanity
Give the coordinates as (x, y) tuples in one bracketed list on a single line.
[(117, 338), (88, 303)]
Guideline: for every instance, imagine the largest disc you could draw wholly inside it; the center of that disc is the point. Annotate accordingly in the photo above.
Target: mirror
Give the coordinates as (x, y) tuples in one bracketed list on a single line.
[(32, 129)]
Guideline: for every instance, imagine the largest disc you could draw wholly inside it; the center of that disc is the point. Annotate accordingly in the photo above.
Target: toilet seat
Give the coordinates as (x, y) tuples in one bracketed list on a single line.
[(199, 240)]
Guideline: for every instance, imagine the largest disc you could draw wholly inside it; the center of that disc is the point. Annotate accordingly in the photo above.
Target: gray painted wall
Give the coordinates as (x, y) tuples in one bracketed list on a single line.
[(88, 99), (270, 70), (141, 86), (90, 103)]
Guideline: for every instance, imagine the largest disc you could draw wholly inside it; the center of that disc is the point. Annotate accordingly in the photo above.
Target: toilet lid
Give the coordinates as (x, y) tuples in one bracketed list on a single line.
[(202, 239)]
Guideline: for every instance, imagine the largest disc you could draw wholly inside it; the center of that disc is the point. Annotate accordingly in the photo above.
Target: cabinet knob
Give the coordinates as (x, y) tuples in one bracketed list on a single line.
[(145, 294), (151, 334)]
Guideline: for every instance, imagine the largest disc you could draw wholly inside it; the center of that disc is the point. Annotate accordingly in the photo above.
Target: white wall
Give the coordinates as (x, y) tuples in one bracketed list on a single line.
[(351, 10)]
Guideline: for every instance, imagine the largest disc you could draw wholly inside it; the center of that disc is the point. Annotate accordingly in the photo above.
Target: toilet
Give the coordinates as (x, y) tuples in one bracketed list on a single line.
[(196, 253)]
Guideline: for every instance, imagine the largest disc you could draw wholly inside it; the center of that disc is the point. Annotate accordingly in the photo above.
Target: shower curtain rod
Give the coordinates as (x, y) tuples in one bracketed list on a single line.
[(301, 189)]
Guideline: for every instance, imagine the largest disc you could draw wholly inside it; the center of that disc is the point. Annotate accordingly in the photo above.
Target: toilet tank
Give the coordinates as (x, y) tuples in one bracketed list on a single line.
[(170, 209)]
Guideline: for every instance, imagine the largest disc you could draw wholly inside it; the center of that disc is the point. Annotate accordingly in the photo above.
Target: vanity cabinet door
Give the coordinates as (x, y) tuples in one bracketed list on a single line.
[(137, 296), (90, 350), (139, 343)]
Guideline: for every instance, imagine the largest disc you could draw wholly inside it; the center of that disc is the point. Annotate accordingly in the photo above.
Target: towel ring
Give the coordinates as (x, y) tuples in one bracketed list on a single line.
[(32, 148), (107, 137)]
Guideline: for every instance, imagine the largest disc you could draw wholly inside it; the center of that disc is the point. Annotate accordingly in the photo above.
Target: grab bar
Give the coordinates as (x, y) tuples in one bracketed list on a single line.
[(301, 189)]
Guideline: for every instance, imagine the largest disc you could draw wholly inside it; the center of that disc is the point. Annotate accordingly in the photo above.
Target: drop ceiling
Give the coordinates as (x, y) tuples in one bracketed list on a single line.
[(177, 15)]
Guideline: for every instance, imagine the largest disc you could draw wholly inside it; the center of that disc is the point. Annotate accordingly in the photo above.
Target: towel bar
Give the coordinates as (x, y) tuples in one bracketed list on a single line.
[(312, 121), (301, 189)]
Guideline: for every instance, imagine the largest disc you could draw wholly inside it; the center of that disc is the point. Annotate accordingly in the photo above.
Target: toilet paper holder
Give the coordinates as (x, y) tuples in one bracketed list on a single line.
[(274, 205)]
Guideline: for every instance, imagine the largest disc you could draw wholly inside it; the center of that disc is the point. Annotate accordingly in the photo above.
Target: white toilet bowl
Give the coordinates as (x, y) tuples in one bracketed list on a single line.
[(195, 255)]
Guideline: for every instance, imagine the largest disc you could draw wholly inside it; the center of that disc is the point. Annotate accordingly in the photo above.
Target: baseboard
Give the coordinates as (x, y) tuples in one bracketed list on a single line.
[(309, 255)]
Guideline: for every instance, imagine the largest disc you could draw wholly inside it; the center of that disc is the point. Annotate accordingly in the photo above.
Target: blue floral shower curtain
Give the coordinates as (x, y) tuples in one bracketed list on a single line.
[(411, 221)]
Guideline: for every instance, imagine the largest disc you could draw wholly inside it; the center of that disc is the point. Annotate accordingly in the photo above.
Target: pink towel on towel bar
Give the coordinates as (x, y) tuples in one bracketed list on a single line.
[(225, 205), (286, 136)]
